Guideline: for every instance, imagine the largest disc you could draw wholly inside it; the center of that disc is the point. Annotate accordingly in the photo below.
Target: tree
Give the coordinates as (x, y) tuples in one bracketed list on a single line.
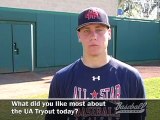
[(138, 9)]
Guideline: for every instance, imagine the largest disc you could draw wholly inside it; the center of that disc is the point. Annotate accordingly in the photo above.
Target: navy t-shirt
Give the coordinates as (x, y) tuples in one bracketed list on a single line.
[(113, 80)]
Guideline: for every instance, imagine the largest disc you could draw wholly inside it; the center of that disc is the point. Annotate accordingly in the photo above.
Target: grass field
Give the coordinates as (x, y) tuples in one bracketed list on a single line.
[(152, 86)]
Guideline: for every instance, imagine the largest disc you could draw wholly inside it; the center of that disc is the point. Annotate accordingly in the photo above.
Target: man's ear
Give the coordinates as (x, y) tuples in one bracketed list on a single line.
[(79, 40), (109, 33)]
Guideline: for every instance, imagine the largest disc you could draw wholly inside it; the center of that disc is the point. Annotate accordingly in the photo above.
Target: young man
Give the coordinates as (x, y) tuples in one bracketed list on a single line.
[(96, 74)]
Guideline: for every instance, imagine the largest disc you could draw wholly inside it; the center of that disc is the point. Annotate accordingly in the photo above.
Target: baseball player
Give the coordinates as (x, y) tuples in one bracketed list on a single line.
[(96, 74)]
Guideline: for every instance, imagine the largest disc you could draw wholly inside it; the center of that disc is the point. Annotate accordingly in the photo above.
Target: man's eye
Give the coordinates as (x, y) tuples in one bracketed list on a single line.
[(86, 31), (99, 30)]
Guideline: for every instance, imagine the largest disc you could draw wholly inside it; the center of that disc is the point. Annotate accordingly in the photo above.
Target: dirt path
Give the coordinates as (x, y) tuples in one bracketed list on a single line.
[(20, 85), (149, 71)]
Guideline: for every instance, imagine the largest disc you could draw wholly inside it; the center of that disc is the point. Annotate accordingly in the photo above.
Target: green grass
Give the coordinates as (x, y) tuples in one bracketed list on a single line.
[(152, 86), (39, 96), (153, 109), (6, 111)]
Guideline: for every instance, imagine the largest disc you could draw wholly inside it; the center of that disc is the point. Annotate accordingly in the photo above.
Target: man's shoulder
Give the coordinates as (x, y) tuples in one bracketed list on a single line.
[(119, 65), (69, 68)]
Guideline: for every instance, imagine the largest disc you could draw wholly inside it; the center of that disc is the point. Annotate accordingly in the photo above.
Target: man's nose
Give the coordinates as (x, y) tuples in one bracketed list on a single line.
[(93, 35)]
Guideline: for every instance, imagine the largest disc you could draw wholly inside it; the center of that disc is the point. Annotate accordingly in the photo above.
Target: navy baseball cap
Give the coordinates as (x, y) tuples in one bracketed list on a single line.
[(92, 15)]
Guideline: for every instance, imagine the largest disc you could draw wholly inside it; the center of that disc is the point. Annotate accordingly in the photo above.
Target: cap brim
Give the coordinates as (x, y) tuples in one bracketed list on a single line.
[(80, 26)]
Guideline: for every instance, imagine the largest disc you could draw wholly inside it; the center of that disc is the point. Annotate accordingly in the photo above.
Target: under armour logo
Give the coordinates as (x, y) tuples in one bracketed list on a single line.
[(95, 78)]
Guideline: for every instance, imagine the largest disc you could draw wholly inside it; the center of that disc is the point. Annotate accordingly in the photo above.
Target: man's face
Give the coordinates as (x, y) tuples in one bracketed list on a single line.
[(94, 39)]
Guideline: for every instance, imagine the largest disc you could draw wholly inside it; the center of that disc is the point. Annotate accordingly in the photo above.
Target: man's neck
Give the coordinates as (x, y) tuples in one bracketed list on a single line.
[(95, 61)]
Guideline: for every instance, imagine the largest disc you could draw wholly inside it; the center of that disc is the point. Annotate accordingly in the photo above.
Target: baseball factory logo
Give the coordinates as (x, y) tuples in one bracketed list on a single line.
[(92, 14), (125, 108)]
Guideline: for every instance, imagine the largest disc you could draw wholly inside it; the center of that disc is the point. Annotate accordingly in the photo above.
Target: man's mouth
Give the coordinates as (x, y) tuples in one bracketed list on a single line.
[(93, 45)]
